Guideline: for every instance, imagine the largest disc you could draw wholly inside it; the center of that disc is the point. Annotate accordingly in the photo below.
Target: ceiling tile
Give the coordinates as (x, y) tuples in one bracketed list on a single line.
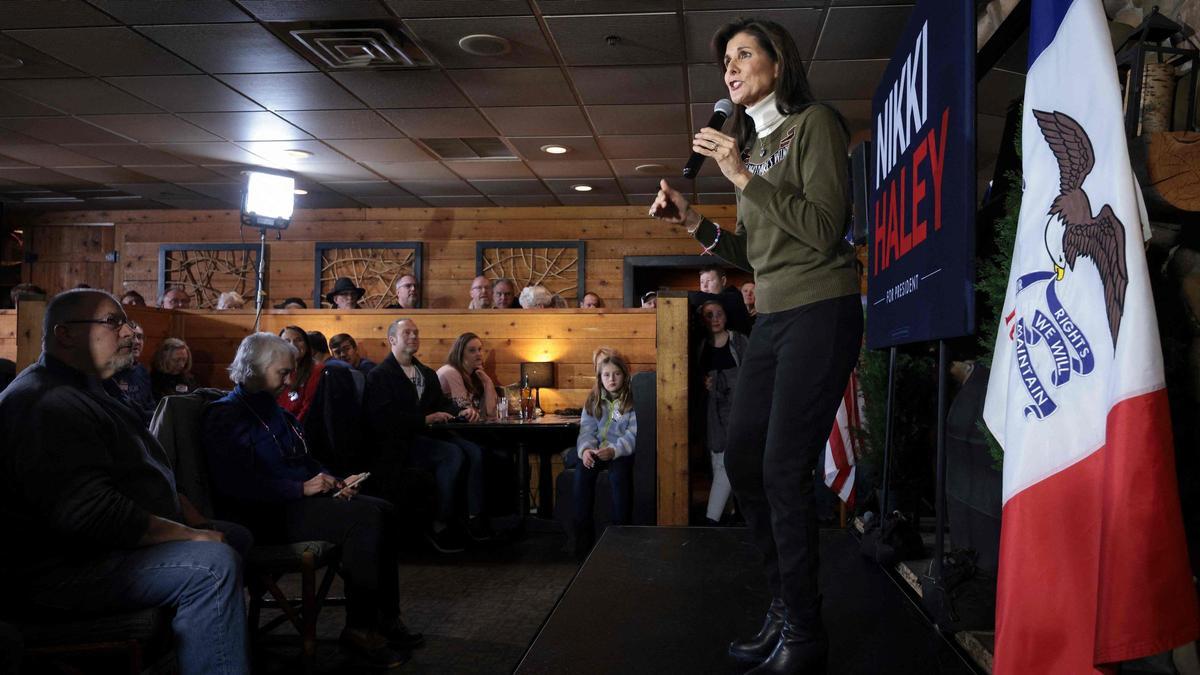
[(33, 63), (527, 45), (406, 171), (836, 80), (639, 119), (707, 83), (335, 171), (571, 168), (186, 93), (226, 192), (459, 201), (402, 89), (862, 32), (59, 130), (151, 128), (702, 113), (716, 198), (12, 105), (438, 188), (104, 51), (133, 12), (159, 191), (397, 202), (183, 174), (673, 167), (566, 120), (514, 86), (489, 168), (293, 91), (644, 185), (713, 184), (376, 188), (754, 5), (192, 204), (406, 9), (105, 174), (581, 148), (342, 123), (592, 199), (326, 200), (208, 153), (229, 48), (525, 200), (803, 24), (550, 7), (382, 150), (42, 14), (632, 147), (246, 126), (446, 123), (611, 39), (276, 153), (44, 154), (10, 163), (857, 113), (42, 178), (636, 199), (510, 187), (126, 154), (631, 84), (315, 10), (80, 96)]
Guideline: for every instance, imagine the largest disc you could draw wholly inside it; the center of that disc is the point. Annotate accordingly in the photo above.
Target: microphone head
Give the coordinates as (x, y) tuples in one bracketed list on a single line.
[(724, 106)]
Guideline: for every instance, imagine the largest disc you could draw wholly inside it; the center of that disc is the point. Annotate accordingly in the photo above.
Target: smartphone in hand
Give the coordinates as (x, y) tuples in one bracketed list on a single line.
[(350, 486)]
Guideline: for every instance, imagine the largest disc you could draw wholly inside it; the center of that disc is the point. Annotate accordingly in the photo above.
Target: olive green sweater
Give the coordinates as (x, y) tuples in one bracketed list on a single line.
[(792, 215)]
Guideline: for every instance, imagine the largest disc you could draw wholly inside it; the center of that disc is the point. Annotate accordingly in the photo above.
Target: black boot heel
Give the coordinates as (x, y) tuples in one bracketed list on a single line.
[(759, 647)]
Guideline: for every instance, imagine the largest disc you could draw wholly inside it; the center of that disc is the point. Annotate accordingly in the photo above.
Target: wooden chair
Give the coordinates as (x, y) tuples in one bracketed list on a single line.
[(142, 639), (176, 424)]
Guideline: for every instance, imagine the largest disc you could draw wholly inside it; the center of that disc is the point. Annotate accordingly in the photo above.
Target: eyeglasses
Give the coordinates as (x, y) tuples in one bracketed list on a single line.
[(114, 322)]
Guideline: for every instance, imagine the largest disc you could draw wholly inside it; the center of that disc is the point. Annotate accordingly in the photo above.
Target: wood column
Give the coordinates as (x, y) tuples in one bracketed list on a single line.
[(29, 331), (674, 491)]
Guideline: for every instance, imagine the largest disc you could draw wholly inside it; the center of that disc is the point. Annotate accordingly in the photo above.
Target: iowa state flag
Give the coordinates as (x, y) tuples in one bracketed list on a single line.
[(1093, 567)]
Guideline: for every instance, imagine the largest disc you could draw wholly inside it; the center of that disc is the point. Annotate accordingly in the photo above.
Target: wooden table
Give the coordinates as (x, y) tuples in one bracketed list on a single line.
[(542, 435)]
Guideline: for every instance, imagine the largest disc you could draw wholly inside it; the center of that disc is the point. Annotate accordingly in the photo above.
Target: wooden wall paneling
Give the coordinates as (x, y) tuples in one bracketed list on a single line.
[(672, 381), (8, 334), (29, 332), (71, 254), (157, 324)]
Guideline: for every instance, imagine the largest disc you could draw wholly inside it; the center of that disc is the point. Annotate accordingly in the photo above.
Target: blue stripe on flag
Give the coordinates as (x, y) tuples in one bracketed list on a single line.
[(1044, 19)]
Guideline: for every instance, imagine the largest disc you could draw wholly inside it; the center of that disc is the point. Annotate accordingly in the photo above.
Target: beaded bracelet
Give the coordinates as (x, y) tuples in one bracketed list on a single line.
[(709, 249)]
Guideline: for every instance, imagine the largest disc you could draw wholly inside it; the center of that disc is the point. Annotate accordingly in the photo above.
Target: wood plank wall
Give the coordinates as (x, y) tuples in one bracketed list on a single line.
[(66, 256), (8, 334)]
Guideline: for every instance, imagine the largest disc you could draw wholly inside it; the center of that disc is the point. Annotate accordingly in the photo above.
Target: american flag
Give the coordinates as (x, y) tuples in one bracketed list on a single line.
[(841, 446)]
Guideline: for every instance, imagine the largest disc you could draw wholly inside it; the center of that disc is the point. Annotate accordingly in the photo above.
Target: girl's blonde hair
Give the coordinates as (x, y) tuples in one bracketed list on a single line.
[(623, 399)]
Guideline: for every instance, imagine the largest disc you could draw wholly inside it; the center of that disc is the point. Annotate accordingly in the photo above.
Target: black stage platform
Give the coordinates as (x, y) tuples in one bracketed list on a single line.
[(668, 600)]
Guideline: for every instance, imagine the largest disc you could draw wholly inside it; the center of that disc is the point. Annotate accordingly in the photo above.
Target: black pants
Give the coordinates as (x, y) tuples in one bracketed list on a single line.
[(789, 384), (365, 528)]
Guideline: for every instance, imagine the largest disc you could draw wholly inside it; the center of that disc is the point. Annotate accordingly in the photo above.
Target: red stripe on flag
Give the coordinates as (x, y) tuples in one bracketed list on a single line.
[(1093, 567)]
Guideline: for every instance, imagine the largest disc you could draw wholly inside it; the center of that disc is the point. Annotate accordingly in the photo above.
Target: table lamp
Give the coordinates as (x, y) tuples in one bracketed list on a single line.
[(538, 374)]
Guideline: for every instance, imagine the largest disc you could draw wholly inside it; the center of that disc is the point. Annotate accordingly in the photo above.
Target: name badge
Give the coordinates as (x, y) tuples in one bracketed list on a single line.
[(181, 388)]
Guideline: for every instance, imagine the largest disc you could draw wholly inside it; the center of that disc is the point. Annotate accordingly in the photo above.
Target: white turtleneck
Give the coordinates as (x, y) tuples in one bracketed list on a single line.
[(766, 115)]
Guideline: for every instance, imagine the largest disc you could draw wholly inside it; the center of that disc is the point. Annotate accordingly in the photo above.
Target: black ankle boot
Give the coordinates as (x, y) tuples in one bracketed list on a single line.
[(759, 647), (803, 649)]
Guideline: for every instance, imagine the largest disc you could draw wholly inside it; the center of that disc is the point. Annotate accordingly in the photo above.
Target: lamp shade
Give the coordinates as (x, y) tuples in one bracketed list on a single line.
[(540, 374)]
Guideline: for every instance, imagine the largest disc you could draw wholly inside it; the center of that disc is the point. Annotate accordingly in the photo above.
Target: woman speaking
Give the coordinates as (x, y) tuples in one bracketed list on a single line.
[(787, 162)]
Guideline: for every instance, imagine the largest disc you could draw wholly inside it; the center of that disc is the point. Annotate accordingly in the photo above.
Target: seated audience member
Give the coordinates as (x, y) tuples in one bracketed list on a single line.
[(718, 358), (133, 298), (345, 348), (134, 380), (297, 395), (402, 398), (230, 300), (345, 295), (591, 301), (535, 297), (557, 301), (748, 298), (171, 369), (320, 349), (481, 293), (713, 287), (24, 289), (408, 293), (504, 294), (292, 303), (463, 379), (650, 300), (607, 433), (92, 501), (264, 478), (175, 297)]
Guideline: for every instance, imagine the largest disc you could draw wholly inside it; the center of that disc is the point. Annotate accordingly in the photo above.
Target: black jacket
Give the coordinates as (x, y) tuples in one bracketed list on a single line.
[(84, 473), (394, 412)]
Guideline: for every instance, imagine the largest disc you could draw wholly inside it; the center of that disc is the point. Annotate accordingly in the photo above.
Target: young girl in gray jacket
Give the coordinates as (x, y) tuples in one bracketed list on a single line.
[(607, 433)]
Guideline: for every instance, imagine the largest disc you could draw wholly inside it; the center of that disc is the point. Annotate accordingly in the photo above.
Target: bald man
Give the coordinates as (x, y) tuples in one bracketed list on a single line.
[(481, 293), (91, 503)]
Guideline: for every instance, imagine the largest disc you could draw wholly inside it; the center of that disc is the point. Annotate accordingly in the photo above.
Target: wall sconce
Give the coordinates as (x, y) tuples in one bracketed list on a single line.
[(536, 375), (1148, 69)]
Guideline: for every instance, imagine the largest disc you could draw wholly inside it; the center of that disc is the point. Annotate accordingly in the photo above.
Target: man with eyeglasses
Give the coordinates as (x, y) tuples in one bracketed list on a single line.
[(408, 293), (92, 507), (134, 380), (481, 293)]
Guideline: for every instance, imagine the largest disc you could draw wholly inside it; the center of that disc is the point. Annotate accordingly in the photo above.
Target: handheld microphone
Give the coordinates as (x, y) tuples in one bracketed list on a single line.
[(721, 112)]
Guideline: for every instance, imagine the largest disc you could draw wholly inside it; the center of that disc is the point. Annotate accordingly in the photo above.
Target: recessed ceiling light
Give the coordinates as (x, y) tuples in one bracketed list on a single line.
[(299, 191), (555, 149), (581, 188), (297, 154), (482, 44)]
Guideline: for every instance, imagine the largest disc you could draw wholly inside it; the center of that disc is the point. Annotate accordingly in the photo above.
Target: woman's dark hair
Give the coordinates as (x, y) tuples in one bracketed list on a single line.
[(304, 360), (317, 341), (455, 360), (792, 93)]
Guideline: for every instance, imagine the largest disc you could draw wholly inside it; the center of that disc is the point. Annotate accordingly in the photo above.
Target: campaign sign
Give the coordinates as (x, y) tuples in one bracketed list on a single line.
[(921, 258)]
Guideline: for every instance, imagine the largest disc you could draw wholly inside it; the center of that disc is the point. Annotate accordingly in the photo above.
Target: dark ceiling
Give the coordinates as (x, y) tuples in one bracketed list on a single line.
[(162, 103)]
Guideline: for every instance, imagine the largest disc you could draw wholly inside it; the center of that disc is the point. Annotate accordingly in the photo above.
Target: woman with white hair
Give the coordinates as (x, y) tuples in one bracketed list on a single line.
[(536, 297), (264, 478), (230, 300)]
